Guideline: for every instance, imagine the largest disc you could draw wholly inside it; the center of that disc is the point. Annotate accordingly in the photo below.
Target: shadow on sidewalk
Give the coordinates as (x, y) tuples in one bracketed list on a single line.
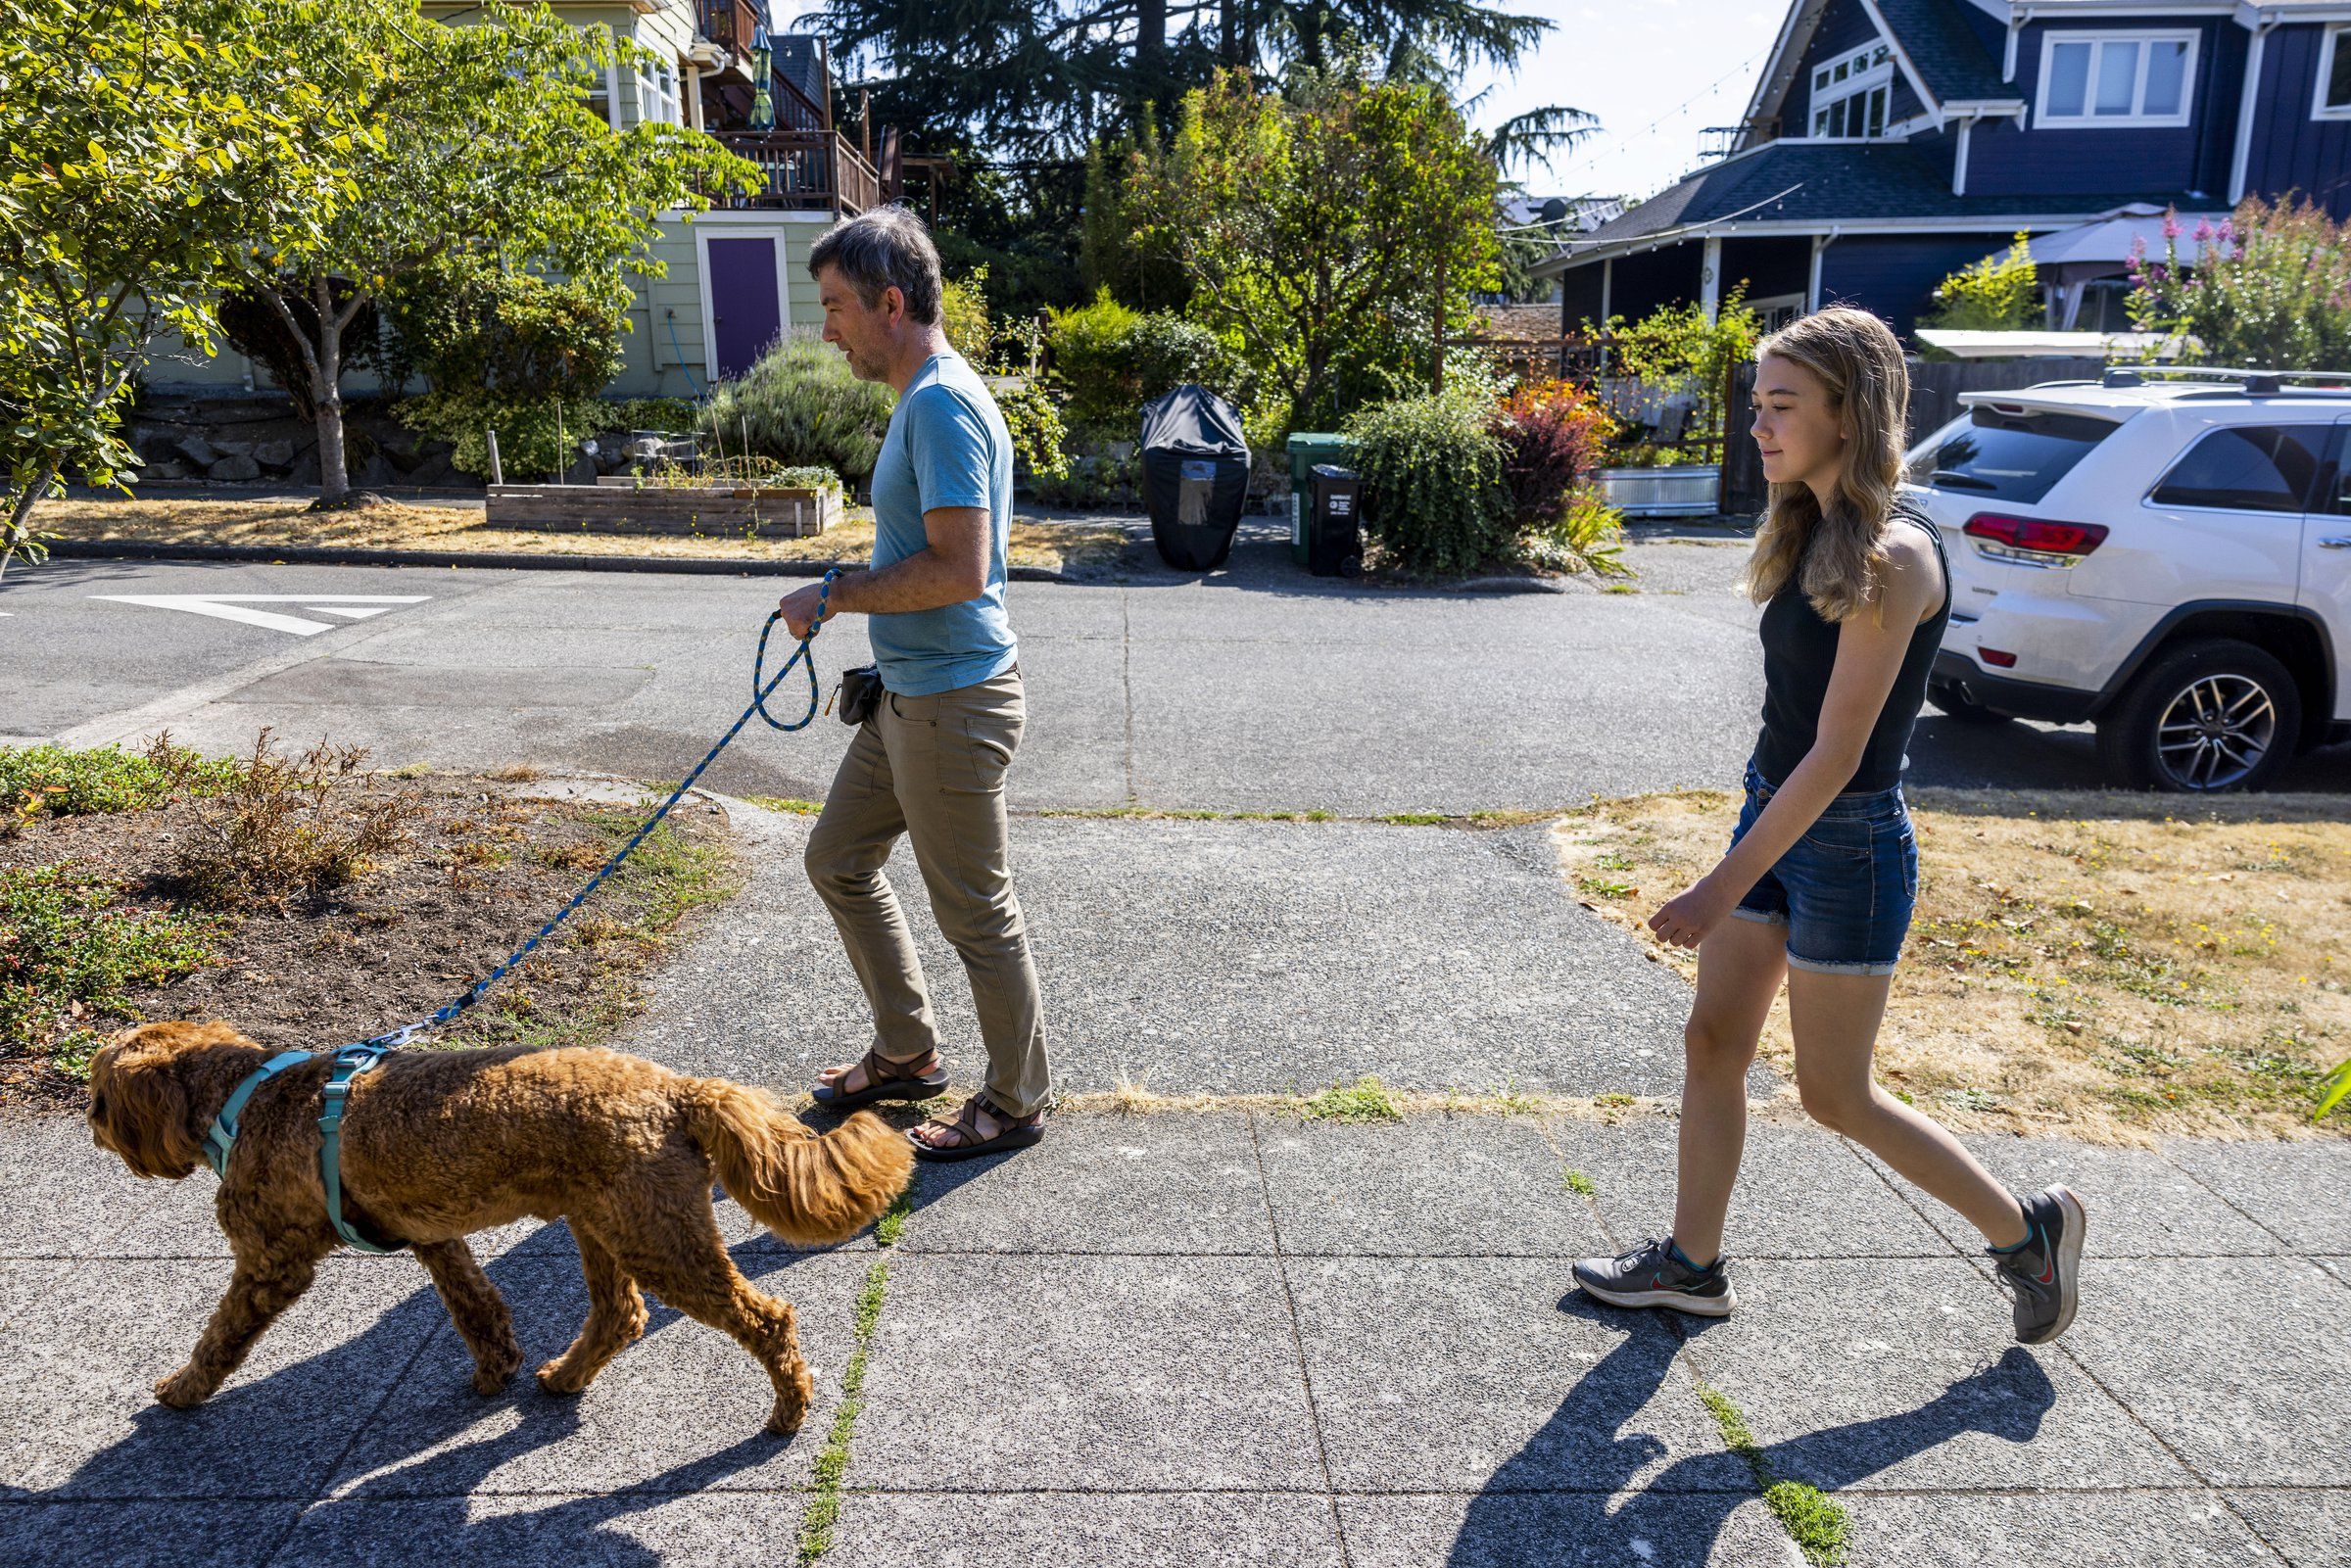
[(403, 1448), (1572, 1495)]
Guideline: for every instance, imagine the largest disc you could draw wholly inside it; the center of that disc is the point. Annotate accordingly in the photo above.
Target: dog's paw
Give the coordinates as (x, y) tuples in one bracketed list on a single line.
[(553, 1379), (488, 1380), (183, 1390)]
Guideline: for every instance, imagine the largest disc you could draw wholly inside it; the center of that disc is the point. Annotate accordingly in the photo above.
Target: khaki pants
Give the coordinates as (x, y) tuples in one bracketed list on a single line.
[(932, 768)]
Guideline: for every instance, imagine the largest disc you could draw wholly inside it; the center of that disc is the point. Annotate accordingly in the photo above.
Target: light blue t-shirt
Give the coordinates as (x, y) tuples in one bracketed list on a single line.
[(947, 446)]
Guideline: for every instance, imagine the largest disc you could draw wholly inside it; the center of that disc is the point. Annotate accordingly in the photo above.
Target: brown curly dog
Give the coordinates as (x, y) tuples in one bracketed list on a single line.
[(437, 1145)]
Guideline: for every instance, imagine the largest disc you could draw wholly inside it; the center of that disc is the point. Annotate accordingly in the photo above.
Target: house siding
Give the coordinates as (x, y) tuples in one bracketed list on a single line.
[(1579, 297), (1650, 278), (1771, 265), (2032, 160), (1894, 275), (2290, 150)]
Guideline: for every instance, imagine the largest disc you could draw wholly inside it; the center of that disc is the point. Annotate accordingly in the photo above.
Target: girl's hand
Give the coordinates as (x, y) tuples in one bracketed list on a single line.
[(1688, 915)]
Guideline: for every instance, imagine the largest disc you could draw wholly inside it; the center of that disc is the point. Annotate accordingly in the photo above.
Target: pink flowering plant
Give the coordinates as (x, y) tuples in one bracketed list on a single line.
[(2269, 288)]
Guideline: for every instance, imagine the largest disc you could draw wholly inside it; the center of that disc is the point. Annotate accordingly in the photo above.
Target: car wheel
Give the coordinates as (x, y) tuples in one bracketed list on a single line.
[(1954, 703), (2204, 717)]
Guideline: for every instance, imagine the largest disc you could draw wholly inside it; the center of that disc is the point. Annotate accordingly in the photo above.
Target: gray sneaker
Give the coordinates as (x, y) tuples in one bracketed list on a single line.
[(2044, 1276), (1655, 1274)]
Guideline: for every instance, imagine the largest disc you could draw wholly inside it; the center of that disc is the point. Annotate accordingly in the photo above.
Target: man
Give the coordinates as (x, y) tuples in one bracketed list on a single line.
[(930, 763)]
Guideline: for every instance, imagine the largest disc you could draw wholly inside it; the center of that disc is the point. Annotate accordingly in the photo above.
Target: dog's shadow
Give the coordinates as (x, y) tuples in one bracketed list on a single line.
[(1585, 1488), (411, 1466)]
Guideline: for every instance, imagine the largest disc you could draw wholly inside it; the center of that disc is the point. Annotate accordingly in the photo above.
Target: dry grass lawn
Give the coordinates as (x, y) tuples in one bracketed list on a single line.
[(397, 525), (2105, 966)]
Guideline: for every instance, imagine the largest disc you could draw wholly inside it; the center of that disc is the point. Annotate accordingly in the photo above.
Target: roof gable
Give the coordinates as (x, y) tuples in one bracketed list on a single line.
[(1943, 48)]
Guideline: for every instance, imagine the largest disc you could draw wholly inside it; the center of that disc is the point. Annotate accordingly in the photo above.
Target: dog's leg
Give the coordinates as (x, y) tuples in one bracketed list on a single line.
[(675, 1251), (260, 1289), (615, 1318), (477, 1309)]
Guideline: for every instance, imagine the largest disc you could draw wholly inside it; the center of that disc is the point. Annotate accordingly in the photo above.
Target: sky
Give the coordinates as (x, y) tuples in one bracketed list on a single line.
[(1655, 72)]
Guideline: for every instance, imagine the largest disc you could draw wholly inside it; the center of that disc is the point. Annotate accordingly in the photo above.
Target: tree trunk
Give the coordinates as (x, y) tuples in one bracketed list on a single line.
[(18, 528), (326, 392), (1151, 47), (1316, 22)]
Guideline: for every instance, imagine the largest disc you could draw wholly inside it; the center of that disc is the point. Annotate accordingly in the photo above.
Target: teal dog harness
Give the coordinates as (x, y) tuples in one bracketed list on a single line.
[(221, 1139)]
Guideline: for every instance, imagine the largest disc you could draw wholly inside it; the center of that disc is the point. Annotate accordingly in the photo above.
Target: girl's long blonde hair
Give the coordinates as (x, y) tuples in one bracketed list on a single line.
[(1835, 558)]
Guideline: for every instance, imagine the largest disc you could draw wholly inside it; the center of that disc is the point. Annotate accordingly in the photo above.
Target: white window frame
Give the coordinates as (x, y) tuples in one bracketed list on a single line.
[(1867, 72), (660, 95), (2089, 120), (2319, 107)]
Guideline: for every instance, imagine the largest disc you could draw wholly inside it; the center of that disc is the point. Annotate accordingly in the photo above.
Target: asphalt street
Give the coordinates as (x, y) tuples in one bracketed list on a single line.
[(1256, 688)]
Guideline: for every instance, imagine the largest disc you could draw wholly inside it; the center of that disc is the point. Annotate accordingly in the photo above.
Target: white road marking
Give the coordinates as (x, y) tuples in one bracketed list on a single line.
[(236, 606)]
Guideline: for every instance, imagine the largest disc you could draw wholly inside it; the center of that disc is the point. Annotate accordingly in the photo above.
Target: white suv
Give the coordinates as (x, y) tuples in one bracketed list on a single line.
[(2164, 554)]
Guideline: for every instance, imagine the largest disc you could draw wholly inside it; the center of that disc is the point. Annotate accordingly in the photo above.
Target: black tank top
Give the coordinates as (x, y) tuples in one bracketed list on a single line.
[(1800, 648)]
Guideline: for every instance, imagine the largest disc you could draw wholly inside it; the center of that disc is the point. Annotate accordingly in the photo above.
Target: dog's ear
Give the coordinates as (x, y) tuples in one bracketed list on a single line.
[(139, 1108)]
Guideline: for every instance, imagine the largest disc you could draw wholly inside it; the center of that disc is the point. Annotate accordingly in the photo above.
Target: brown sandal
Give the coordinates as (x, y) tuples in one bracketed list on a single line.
[(1019, 1132), (884, 1079)]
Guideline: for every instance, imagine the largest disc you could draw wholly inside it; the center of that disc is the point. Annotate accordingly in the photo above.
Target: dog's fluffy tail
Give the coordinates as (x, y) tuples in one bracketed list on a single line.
[(806, 1189)]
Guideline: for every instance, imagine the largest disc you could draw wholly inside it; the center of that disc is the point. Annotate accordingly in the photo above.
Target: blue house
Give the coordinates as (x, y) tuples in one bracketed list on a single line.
[(1891, 142)]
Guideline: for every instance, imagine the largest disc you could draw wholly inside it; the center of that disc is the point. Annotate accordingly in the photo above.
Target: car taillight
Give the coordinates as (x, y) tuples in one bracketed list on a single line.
[(2039, 534), (1998, 657)]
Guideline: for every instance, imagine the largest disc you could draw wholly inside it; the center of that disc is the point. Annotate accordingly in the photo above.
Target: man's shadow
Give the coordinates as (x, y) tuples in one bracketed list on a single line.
[(1581, 1490), (426, 1443)]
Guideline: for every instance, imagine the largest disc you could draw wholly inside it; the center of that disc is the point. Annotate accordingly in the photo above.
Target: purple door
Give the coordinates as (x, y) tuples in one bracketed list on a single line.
[(745, 314)]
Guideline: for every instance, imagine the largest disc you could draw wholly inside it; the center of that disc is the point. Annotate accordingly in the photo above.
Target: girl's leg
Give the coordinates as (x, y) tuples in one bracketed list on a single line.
[(1835, 1019), (1738, 969)]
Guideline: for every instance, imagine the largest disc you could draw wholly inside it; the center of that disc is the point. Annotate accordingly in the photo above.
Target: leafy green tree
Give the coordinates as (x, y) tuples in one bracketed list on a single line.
[(1323, 230), (147, 142), (1999, 293), (480, 145)]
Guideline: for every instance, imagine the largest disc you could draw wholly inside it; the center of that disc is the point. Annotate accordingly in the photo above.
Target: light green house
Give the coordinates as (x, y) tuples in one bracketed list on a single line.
[(736, 276)]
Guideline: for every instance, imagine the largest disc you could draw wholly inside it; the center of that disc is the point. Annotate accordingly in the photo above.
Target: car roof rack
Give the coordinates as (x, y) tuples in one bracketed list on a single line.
[(2250, 382)]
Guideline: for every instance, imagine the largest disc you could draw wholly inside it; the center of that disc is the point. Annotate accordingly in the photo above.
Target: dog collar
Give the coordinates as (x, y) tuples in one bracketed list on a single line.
[(221, 1137)]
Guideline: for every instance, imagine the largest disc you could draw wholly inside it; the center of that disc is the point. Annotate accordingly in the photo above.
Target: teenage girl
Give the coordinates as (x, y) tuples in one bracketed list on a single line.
[(1822, 872)]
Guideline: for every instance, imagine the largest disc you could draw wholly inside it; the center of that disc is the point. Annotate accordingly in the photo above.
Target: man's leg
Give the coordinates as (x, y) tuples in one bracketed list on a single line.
[(851, 840), (949, 754)]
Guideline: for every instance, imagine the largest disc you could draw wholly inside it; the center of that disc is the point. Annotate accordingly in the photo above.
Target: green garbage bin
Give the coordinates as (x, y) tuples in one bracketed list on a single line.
[(1306, 450)]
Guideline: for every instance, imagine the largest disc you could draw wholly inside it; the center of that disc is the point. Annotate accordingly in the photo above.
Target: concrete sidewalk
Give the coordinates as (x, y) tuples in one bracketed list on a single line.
[(1213, 1338)]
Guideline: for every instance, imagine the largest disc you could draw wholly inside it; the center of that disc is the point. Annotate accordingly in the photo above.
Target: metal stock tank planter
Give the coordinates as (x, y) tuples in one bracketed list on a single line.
[(1688, 490), (1195, 463), (619, 506)]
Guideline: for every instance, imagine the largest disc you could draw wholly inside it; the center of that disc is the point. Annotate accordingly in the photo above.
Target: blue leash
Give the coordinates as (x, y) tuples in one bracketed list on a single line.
[(353, 1060)]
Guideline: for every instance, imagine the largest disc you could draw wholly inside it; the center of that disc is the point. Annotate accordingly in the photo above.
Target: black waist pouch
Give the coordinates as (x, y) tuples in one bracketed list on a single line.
[(860, 693)]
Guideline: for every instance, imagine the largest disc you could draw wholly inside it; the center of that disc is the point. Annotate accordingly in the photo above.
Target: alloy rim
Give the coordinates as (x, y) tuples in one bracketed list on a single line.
[(2216, 732)]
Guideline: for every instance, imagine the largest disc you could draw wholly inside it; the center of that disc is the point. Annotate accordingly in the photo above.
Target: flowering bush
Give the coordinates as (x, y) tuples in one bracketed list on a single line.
[(1552, 435), (2269, 288)]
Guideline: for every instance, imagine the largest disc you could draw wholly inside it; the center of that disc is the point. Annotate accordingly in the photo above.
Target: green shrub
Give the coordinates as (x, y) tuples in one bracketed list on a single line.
[(536, 437), (1034, 421), (1111, 360), (1999, 293), (963, 313), (522, 337), (1434, 498), (1676, 349), (799, 404), (70, 956), (1087, 483), (1587, 536)]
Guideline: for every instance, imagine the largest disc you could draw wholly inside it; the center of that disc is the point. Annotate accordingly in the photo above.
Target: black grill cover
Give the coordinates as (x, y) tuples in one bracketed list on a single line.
[(1195, 476)]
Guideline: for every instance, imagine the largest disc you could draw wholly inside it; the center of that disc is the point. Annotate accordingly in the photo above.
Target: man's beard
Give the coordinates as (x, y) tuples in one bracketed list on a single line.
[(868, 366)]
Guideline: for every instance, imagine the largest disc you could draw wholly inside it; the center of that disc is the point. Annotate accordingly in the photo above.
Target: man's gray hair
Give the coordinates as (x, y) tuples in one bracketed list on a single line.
[(887, 248)]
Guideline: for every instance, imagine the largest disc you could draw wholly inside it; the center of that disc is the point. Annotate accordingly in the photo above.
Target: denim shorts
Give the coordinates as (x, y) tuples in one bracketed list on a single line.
[(1846, 889)]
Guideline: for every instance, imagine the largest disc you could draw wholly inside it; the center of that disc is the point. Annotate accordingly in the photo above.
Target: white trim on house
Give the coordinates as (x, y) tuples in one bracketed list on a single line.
[(1902, 58), (2002, 227), (2240, 156), (704, 234), (2099, 41), (2319, 107)]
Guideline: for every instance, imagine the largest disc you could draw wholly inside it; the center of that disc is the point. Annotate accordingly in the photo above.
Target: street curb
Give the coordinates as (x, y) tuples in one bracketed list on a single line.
[(487, 560)]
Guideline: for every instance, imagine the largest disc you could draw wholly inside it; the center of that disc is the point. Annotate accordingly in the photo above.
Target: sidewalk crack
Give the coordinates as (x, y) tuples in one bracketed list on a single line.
[(1306, 1375)]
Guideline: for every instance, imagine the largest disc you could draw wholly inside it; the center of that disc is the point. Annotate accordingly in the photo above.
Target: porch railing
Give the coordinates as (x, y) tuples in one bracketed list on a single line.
[(730, 24), (810, 170)]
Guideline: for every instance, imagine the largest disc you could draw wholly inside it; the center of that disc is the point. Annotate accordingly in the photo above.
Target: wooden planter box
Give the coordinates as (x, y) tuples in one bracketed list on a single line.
[(621, 507)]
